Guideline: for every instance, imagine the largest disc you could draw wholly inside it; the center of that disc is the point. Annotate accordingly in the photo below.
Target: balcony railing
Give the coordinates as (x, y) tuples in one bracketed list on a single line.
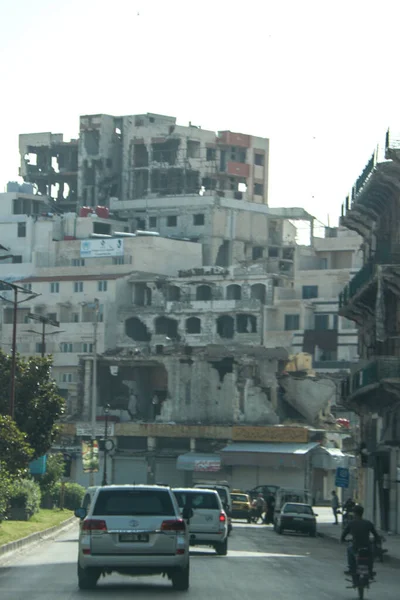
[(387, 367)]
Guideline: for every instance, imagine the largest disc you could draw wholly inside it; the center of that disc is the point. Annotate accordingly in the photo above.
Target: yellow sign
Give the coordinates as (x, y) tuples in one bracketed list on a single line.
[(90, 456), (270, 434)]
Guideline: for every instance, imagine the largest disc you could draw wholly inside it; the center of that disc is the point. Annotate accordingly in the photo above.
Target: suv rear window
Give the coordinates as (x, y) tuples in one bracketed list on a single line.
[(134, 502), (197, 500)]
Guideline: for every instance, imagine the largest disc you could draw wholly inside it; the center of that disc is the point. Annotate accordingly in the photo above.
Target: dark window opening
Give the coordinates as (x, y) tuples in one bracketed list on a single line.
[(225, 326), (173, 293), (321, 322), (198, 219), (233, 292), (222, 259), (167, 327), (172, 221), (292, 322), (203, 292), (142, 295), (273, 252), (103, 228), (193, 149), (22, 229), (17, 259), (309, 291), (257, 252), (258, 189), (140, 224), (193, 325), (246, 324), (137, 330), (288, 253), (211, 154), (166, 152), (140, 155), (259, 159), (258, 292), (152, 222), (328, 355)]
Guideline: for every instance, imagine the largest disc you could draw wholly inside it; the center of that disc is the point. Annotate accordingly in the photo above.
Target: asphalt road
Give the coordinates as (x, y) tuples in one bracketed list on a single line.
[(260, 564)]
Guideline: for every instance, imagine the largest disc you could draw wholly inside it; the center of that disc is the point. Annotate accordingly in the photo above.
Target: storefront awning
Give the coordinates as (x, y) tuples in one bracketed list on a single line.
[(193, 461), (268, 455), (332, 458)]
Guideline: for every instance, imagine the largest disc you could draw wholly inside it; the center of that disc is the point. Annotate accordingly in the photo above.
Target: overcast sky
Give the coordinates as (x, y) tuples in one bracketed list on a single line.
[(319, 78)]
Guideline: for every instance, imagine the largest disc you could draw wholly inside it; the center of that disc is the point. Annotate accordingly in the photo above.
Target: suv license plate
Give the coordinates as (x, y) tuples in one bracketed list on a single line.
[(134, 537)]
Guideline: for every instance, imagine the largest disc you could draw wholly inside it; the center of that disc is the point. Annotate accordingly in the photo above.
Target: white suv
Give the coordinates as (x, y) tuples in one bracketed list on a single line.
[(133, 530), (208, 525)]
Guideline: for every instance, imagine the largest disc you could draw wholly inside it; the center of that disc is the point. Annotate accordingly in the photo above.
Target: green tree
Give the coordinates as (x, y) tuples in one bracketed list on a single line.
[(38, 406), (15, 452)]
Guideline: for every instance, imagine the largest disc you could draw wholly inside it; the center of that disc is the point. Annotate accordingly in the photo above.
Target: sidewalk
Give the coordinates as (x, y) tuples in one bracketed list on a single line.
[(327, 529)]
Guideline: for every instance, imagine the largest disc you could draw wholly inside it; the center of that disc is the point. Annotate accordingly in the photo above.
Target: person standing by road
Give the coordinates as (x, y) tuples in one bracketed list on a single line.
[(335, 506)]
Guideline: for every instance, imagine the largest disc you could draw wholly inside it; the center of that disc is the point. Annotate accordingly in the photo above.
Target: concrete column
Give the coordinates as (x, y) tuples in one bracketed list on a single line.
[(192, 444), (151, 444)]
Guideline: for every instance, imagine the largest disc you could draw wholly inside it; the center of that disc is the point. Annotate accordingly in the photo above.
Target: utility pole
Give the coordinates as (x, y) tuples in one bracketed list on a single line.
[(44, 321), (6, 286), (94, 380)]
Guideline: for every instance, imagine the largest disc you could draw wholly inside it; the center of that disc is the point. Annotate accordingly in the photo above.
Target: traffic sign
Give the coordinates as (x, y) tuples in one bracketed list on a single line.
[(342, 479)]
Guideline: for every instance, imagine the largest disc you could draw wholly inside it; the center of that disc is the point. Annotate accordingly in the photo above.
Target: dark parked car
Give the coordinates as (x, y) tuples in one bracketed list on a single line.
[(297, 517), (265, 490)]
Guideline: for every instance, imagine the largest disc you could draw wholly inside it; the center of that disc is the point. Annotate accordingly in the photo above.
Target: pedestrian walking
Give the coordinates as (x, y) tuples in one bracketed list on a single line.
[(335, 506)]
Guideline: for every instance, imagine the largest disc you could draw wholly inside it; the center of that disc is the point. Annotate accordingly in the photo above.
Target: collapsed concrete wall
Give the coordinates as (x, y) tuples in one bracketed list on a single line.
[(311, 397), (212, 385)]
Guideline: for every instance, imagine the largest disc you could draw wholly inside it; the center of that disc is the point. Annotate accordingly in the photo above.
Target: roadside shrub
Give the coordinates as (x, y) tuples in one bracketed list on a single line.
[(25, 494), (5, 491), (73, 495), (47, 481)]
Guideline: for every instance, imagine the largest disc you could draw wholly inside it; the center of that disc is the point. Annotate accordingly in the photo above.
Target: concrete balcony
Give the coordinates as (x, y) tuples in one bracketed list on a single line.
[(374, 385), (360, 292)]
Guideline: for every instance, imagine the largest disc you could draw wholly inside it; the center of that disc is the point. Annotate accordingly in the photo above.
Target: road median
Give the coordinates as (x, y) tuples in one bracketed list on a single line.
[(29, 532)]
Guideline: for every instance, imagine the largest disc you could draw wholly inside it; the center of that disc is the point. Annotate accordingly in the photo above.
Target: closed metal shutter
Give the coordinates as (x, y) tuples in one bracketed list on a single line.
[(129, 470), (166, 472)]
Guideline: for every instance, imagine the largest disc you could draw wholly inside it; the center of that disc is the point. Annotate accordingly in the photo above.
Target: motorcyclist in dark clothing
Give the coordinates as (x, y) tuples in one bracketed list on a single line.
[(360, 529)]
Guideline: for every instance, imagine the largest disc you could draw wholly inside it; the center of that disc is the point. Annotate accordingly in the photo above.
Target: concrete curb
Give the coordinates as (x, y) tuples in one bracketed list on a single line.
[(35, 537)]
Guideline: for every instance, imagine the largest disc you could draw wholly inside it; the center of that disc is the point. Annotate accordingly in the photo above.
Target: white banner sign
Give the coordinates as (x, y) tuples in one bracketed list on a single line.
[(85, 429), (104, 247), (207, 465)]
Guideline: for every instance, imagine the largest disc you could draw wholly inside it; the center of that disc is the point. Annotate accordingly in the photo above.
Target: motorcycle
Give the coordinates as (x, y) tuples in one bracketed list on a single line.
[(361, 578)]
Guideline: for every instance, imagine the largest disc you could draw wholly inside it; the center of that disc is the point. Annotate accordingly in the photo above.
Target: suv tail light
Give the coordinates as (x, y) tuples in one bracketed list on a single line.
[(94, 525), (222, 518), (176, 525)]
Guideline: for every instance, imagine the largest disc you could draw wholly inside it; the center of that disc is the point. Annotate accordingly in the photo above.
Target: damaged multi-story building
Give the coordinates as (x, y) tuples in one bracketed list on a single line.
[(200, 295), (372, 300), (144, 156)]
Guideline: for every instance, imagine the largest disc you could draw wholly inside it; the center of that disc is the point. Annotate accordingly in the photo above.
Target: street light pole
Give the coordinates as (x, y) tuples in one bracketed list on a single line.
[(44, 321), (94, 381), (106, 412)]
